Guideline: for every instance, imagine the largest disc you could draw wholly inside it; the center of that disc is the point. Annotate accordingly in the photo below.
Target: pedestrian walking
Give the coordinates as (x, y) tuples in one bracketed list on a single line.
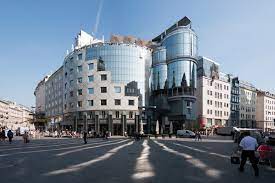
[(196, 136), (85, 137), (106, 135), (199, 136), (248, 145), (10, 136), (3, 135), (26, 137)]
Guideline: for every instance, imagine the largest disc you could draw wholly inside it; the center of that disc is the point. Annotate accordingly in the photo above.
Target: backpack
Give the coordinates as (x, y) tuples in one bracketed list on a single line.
[(10, 134)]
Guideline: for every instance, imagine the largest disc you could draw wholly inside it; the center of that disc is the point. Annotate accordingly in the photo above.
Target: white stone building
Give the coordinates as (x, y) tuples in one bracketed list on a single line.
[(4, 112), (13, 116), (265, 111), (213, 94), (54, 97), (100, 86), (40, 96), (93, 101)]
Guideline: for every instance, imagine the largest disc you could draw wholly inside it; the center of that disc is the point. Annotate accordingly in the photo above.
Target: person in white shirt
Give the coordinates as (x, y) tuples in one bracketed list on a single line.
[(248, 145)]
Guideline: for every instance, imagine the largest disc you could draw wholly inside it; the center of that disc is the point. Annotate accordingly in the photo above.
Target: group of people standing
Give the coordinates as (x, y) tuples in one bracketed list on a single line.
[(9, 134), (198, 136), (105, 135), (3, 135)]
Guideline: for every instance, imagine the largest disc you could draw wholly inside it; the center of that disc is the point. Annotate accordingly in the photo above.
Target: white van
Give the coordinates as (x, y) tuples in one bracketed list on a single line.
[(185, 133), (227, 130)]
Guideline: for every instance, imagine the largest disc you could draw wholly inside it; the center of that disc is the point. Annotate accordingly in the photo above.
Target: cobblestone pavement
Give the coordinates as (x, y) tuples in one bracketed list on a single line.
[(123, 160)]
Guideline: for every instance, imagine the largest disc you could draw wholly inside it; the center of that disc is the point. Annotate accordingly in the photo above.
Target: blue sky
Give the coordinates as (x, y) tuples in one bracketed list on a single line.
[(34, 35)]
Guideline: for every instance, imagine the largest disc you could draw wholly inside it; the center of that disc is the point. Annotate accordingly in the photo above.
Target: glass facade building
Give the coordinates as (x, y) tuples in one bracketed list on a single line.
[(127, 63), (159, 70), (174, 75), (235, 102), (105, 84), (208, 68), (176, 59)]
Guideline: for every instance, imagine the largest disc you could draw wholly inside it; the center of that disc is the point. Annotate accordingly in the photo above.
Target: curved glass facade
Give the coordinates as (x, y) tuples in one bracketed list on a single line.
[(159, 76), (181, 42), (180, 70), (159, 56), (175, 60), (159, 70), (126, 62)]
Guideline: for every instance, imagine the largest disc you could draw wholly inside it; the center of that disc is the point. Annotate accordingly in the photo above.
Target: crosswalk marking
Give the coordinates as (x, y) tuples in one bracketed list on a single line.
[(203, 151), (48, 150), (39, 146), (86, 148), (214, 173), (77, 167), (143, 168)]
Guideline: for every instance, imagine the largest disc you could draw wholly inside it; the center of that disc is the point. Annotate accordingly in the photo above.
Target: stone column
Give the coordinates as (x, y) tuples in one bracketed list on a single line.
[(97, 124), (110, 123), (85, 124), (123, 122), (75, 123), (136, 123), (149, 125)]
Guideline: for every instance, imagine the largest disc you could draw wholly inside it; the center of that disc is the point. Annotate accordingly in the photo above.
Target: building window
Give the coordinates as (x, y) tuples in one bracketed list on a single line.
[(130, 114), (71, 82), (104, 102), (79, 80), (65, 106), (131, 102), (91, 90), (71, 70), (65, 96), (65, 85), (79, 56), (91, 78), (79, 68), (103, 77), (79, 92), (90, 102), (91, 66), (103, 89), (117, 89), (79, 104), (117, 102), (71, 93), (117, 114), (66, 74)]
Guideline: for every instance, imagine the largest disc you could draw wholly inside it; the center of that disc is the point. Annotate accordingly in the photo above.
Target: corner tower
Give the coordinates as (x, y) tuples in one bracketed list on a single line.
[(174, 75)]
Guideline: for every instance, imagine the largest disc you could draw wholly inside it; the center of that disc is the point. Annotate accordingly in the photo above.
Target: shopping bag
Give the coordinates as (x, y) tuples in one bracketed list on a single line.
[(236, 157)]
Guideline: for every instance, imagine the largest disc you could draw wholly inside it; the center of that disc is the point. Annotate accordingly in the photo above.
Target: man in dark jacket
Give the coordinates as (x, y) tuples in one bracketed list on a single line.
[(85, 137), (3, 135), (10, 136)]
